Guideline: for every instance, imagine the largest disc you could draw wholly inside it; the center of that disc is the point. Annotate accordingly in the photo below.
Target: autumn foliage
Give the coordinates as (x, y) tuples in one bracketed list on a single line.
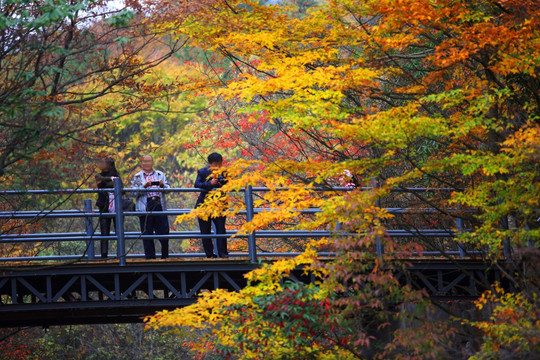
[(408, 93)]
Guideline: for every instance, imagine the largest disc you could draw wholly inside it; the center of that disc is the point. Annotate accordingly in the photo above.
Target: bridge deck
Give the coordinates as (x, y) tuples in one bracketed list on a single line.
[(103, 292)]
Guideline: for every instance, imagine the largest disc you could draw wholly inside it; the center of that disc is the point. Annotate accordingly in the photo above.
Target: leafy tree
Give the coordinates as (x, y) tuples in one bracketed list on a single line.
[(57, 58), (108, 341), (59, 61), (428, 93)]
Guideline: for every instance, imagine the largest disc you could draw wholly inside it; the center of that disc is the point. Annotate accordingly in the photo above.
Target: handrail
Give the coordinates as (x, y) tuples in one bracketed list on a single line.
[(120, 235), (183, 190), (51, 237), (84, 214)]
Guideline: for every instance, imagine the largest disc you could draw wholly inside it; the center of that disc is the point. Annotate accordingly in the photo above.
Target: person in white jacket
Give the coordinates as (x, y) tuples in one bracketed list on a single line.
[(150, 201)]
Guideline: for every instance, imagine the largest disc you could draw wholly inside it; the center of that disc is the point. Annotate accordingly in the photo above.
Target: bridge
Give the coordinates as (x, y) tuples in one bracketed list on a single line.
[(43, 290)]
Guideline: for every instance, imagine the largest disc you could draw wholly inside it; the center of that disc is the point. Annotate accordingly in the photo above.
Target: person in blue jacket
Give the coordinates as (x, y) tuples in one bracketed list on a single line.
[(209, 178)]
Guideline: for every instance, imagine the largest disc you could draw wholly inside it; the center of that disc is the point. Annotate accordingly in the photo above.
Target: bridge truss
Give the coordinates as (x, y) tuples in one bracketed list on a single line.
[(108, 293)]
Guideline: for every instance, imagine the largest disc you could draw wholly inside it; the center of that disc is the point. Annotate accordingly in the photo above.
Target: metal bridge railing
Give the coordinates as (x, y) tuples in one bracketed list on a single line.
[(120, 235)]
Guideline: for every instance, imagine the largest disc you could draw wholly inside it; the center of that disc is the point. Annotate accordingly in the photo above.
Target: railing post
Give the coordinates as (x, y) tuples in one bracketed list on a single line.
[(214, 239), (119, 222), (252, 243), (378, 245), (459, 229), (507, 249), (89, 230)]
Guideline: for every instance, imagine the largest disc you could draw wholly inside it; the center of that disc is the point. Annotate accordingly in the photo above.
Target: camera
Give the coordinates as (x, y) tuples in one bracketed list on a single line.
[(154, 183), (222, 179)]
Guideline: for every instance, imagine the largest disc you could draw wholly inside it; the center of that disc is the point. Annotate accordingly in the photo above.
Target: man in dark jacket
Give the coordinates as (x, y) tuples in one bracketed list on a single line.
[(209, 178)]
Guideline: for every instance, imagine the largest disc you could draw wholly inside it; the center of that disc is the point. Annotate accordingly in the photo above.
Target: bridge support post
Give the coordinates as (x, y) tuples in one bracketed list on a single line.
[(507, 249), (459, 228), (252, 243), (379, 248), (89, 230), (119, 222)]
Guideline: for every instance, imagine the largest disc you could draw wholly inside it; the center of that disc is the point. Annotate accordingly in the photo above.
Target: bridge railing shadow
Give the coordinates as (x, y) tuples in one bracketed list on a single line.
[(120, 236)]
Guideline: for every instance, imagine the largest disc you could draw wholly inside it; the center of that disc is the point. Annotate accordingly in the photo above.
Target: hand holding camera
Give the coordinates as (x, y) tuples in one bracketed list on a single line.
[(219, 180), (154, 183)]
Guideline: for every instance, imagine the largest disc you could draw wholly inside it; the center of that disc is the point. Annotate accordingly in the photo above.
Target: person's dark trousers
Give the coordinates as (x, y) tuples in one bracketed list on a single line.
[(155, 224), (206, 228), (105, 228)]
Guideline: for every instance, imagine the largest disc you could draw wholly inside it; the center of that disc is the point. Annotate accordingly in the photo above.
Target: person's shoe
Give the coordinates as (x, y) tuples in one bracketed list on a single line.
[(213, 256), (103, 255), (225, 256)]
